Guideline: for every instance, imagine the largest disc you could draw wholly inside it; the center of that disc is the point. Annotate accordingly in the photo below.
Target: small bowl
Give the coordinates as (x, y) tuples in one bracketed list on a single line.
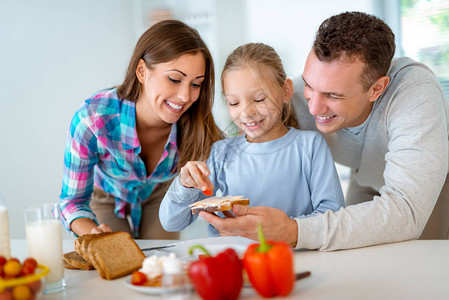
[(34, 283)]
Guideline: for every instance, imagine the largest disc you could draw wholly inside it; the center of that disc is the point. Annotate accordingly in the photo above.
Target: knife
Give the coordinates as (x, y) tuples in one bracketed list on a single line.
[(158, 247), (298, 276)]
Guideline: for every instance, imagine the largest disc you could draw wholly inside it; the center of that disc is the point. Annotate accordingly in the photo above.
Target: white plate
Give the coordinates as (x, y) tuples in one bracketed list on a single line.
[(213, 244), (149, 290)]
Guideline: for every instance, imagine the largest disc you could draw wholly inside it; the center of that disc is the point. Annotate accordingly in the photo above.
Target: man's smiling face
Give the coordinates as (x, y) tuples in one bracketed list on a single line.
[(335, 93)]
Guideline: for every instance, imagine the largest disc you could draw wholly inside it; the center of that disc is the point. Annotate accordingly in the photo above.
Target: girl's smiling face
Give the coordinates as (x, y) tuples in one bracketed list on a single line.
[(169, 89), (254, 107)]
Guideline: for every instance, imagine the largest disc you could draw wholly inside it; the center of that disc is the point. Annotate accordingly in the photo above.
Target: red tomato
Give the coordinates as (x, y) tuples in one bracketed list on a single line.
[(26, 270), (2, 260), (30, 262), (207, 192), (138, 278), (35, 286), (6, 295)]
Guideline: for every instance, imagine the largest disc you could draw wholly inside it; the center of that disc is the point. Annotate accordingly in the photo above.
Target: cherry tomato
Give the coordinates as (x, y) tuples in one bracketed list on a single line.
[(30, 262), (2, 260), (138, 278), (21, 292), (6, 295), (35, 286), (207, 192), (26, 270), (11, 268)]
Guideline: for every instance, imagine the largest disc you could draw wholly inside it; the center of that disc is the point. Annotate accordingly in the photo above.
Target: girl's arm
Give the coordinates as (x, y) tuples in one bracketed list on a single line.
[(192, 184), (325, 187), (174, 212)]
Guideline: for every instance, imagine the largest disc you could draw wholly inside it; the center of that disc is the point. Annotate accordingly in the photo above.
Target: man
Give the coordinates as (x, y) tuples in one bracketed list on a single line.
[(388, 121)]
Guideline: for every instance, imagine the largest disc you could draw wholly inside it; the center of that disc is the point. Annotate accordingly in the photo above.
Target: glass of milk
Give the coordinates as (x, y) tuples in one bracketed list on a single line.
[(44, 238), (5, 248)]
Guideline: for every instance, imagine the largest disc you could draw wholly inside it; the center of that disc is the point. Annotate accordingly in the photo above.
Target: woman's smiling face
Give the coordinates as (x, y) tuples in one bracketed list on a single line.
[(169, 89)]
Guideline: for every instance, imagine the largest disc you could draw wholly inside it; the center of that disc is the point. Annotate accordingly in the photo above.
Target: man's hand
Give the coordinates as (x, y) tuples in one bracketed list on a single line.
[(277, 226)]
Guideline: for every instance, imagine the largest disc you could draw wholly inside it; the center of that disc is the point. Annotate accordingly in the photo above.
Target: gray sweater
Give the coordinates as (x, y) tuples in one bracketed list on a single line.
[(398, 161)]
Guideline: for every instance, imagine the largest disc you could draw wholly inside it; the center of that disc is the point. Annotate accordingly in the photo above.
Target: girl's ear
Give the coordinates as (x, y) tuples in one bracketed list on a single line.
[(141, 71), (288, 90)]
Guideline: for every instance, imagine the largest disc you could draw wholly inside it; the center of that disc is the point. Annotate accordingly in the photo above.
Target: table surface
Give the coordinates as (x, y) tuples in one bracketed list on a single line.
[(407, 270)]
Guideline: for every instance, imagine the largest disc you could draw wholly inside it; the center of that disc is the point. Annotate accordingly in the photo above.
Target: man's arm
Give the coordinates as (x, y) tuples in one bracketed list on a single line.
[(416, 165)]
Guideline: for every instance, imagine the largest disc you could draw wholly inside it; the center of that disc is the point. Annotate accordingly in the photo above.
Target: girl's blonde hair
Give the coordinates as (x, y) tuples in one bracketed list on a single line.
[(164, 42), (266, 65)]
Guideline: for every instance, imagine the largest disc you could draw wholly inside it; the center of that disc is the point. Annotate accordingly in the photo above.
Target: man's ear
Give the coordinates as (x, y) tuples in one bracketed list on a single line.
[(288, 90), (141, 71), (378, 87)]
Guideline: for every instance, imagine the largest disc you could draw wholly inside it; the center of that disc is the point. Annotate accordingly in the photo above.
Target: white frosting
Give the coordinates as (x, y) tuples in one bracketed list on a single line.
[(216, 201), (172, 265), (152, 266)]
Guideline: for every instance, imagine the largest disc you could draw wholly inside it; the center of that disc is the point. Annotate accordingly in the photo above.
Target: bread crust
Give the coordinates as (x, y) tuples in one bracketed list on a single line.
[(73, 260)]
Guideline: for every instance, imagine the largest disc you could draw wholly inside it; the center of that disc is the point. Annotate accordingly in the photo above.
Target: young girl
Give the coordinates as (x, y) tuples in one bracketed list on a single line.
[(272, 164), (125, 144)]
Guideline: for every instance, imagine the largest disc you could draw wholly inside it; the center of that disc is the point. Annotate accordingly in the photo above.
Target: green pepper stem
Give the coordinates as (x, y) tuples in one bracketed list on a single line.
[(264, 247), (192, 248)]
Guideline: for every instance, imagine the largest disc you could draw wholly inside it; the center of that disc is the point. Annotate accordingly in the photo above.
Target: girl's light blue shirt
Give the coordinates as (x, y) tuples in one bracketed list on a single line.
[(295, 173)]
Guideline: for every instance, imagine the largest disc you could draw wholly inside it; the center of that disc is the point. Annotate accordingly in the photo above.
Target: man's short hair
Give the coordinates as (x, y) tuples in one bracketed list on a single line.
[(357, 35)]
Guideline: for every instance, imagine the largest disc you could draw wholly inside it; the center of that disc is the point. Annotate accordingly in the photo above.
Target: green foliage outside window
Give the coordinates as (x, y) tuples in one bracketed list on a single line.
[(425, 35)]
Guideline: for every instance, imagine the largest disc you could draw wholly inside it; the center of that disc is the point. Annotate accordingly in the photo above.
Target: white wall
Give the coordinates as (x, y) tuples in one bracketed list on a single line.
[(289, 26), (53, 55), (56, 53)]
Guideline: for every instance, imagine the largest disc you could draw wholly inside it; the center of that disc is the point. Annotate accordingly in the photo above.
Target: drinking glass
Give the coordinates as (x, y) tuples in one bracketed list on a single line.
[(44, 238)]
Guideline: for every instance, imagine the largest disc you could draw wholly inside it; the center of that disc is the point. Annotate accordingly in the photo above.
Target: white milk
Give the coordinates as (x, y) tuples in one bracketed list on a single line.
[(45, 245), (5, 249)]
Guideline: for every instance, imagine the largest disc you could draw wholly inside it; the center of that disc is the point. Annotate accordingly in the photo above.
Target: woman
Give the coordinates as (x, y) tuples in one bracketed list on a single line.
[(125, 144)]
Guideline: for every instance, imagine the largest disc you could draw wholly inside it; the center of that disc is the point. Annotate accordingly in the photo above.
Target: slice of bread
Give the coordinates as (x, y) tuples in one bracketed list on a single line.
[(112, 254), (69, 266), (217, 203), (117, 254), (76, 261)]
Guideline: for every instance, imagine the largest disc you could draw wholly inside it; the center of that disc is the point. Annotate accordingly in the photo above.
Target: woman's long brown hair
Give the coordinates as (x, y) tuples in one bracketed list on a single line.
[(164, 42)]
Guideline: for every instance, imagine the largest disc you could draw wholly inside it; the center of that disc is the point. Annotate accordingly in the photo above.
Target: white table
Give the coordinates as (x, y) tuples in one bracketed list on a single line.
[(407, 270)]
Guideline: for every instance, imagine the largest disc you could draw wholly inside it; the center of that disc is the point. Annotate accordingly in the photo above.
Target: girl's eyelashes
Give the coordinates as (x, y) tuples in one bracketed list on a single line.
[(260, 100)]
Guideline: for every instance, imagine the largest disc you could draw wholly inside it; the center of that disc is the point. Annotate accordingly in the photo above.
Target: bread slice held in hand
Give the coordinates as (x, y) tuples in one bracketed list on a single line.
[(217, 203)]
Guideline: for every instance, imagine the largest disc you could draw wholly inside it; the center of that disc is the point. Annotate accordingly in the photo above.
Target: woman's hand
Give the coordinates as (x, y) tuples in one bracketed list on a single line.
[(101, 228), (82, 226), (194, 174)]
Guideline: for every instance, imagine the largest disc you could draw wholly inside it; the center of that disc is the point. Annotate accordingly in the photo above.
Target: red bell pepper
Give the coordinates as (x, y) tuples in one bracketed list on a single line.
[(270, 267), (218, 277)]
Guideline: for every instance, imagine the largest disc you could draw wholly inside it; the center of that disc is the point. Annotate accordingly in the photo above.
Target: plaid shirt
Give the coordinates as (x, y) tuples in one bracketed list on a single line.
[(103, 149)]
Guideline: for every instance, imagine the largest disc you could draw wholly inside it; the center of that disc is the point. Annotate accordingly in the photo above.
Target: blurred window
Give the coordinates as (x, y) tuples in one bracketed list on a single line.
[(425, 35)]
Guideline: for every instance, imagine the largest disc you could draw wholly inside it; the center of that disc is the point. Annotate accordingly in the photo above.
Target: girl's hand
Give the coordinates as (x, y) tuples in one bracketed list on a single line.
[(194, 174)]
